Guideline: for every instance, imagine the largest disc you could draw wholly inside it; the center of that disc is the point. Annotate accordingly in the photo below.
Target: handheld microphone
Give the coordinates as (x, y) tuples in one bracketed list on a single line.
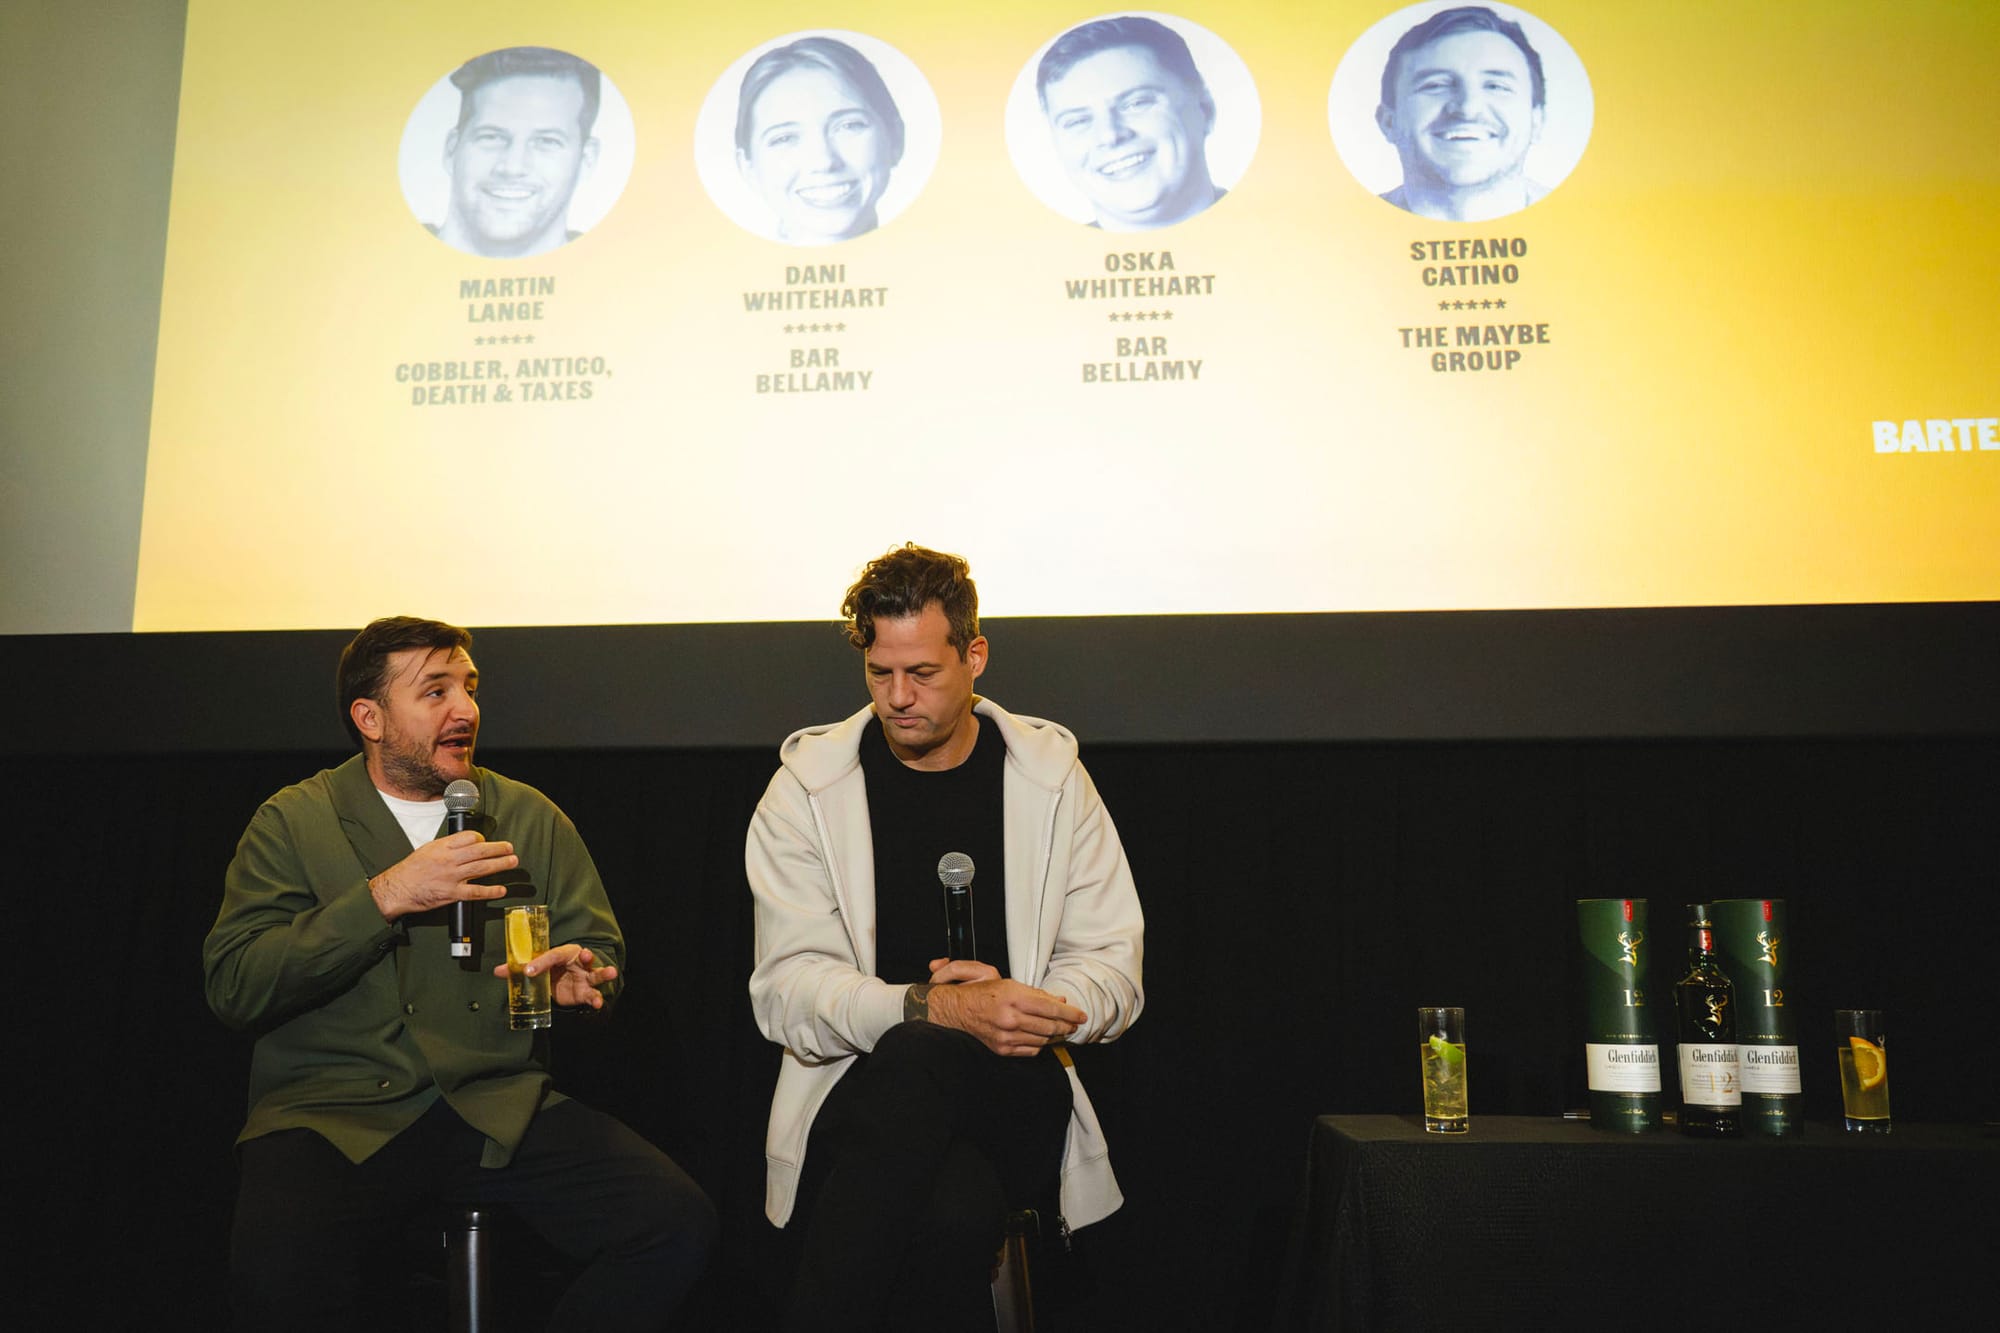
[(461, 798), (954, 871)]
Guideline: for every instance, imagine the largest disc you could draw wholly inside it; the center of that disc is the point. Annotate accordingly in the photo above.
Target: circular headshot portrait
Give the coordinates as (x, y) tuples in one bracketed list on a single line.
[(817, 137), (1460, 112), (1131, 122), (516, 152)]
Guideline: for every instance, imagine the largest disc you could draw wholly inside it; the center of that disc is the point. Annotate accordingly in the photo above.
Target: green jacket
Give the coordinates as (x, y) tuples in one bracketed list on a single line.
[(361, 1024)]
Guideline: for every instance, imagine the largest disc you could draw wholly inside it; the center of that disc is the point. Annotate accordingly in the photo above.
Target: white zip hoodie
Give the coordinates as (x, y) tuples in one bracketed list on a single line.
[(1074, 929)]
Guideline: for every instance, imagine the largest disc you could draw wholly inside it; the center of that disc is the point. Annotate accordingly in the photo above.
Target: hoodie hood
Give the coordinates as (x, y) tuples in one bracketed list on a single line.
[(1041, 751)]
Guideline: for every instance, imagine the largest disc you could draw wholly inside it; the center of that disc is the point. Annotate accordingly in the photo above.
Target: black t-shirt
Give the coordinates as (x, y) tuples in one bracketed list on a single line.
[(915, 817)]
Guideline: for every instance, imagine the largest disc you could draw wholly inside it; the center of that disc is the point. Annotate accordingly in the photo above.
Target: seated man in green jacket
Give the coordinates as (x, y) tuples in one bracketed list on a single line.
[(385, 1077)]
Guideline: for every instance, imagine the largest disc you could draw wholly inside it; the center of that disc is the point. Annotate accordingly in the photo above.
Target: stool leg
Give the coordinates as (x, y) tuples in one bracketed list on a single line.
[(468, 1271), (1013, 1284)]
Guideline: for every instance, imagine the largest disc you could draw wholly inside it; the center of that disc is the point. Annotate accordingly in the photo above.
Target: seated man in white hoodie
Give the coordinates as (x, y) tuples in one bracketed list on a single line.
[(921, 1096)]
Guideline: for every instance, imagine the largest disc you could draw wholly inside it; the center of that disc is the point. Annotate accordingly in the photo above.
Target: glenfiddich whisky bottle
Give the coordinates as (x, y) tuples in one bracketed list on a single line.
[(1704, 1000)]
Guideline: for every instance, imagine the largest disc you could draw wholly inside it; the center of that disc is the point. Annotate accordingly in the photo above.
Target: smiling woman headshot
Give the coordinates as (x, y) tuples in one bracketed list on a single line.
[(817, 135), (820, 141)]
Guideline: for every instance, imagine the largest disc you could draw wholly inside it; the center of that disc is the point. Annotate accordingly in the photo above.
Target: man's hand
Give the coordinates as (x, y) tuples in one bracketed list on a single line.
[(1010, 1018), (439, 872), (571, 975), (945, 970)]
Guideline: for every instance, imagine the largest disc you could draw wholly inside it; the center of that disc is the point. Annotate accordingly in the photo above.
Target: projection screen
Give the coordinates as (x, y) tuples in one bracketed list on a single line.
[(1739, 351)]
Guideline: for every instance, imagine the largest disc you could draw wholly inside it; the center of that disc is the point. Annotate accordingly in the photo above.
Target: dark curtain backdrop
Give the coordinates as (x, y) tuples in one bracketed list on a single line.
[(1300, 901)]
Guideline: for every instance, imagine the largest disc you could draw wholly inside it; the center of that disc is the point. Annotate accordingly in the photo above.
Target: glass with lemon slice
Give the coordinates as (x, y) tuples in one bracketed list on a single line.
[(1441, 1050), (528, 1002), (1862, 1045)]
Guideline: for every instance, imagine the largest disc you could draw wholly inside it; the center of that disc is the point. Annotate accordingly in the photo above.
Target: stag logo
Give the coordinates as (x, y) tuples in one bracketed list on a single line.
[(1628, 947), (1769, 943)]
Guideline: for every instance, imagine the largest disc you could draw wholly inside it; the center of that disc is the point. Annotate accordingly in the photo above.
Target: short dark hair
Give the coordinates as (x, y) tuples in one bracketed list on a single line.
[(364, 662), (528, 62), (836, 58), (1087, 39), (1466, 18), (905, 581)]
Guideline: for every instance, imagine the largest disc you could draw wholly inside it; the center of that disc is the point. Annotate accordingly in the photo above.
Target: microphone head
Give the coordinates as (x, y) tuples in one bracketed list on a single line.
[(955, 870), (462, 798)]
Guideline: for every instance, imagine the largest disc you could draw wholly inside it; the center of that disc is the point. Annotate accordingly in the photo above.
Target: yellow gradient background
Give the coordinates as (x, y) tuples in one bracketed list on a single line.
[(1782, 231)]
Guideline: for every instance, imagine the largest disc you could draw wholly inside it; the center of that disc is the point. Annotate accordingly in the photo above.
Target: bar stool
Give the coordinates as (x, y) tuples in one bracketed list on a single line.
[(1013, 1283), (468, 1245), (498, 1273)]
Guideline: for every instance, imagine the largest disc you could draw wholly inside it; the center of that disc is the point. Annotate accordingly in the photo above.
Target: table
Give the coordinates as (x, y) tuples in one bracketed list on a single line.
[(1538, 1223)]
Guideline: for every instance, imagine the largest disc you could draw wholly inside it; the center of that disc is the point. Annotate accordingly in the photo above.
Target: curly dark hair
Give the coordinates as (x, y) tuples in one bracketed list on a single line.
[(364, 662), (902, 583)]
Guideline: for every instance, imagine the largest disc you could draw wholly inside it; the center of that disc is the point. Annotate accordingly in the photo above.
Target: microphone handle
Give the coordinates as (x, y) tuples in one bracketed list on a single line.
[(961, 941), (461, 911)]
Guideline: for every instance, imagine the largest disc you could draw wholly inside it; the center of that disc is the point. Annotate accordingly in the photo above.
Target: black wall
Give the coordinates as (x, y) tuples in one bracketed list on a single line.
[(1300, 900), (1851, 670)]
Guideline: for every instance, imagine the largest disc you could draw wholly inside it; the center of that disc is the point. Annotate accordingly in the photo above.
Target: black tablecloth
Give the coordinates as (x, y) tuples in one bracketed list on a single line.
[(1526, 1223)]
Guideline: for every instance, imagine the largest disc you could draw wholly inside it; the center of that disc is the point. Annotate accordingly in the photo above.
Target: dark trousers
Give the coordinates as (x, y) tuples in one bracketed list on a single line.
[(317, 1238), (913, 1162)]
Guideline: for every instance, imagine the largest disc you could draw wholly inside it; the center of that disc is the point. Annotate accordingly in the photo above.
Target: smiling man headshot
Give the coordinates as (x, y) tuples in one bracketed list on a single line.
[(1463, 102), (1130, 116), (522, 142)]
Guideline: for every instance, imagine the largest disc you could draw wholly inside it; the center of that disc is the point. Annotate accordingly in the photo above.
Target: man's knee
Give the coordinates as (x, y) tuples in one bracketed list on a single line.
[(597, 1187), (684, 1212), (925, 1045), (661, 1204)]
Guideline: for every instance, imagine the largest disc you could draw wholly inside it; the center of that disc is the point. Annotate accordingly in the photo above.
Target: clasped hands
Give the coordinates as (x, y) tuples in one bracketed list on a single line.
[(441, 872), (1009, 1017)]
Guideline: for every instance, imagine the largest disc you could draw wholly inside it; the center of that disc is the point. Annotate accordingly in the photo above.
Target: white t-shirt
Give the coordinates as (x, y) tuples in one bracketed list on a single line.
[(421, 820)]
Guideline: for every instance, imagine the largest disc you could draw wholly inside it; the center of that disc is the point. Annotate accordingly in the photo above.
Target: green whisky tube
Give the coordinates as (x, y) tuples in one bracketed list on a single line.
[(1621, 1052), (1751, 937)]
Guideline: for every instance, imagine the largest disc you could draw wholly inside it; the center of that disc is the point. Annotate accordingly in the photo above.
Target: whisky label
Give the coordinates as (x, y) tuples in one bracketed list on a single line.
[(1769, 1068), (1621, 1068), (1710, 1074)]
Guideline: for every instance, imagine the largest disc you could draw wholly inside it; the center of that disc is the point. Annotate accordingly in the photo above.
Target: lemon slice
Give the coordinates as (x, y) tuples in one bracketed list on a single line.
[(1445, 1051), (520, 939), (1871, 1066)]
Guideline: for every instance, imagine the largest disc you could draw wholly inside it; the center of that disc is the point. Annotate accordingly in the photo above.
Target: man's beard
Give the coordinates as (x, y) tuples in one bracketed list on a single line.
[(410, 768)]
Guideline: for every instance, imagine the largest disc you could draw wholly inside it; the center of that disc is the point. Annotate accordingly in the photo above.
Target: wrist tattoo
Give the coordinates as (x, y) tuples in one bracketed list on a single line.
[(917, 1003)]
